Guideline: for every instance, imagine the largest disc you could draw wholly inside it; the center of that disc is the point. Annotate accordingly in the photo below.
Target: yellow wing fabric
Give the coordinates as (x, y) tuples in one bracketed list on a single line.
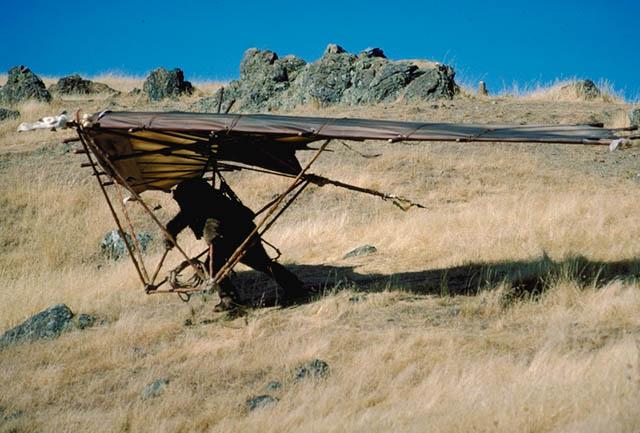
[(153, 159)]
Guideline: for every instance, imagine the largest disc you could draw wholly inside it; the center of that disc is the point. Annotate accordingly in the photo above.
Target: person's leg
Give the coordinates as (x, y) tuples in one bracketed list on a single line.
[(226, 290), (257, 258)]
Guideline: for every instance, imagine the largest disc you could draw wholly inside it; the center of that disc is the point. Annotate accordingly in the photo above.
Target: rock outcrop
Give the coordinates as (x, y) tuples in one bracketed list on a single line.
[(161, 84), (76, 85), (268, 82), (23, 85)]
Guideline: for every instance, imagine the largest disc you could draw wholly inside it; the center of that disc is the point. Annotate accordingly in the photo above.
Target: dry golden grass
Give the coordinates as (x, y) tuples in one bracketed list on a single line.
[(563, 90), (431, 333)]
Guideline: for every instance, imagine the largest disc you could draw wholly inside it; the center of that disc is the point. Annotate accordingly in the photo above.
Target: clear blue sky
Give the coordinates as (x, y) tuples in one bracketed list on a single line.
[(501, 42)]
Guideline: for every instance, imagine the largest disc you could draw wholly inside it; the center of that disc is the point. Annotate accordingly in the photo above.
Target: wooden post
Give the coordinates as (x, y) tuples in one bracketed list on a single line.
[(482, 89)]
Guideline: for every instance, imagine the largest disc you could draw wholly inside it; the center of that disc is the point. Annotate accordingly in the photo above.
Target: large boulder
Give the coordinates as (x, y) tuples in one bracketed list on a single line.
[(324, 81), (6, 114), (47, 324), (23, 85), (264, 77), (161, 84), (435, 82), (76, 85), (268, 82)]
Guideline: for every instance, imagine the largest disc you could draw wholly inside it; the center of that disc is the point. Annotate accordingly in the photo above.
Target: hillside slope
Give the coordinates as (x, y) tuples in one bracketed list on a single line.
[(510, 304)]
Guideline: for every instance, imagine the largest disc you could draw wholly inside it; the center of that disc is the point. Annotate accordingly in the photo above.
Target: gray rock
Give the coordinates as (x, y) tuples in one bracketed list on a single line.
[(379, 80), (274, 385), (76, 85), (113, 246), (634, 117), (316, 369), (363, 250), (264, 78), (6, 114), (47, 324), (324, 81), (23, 85), (582, 89), (84, 321), (260, 401), (587, 89), (372, 52), (437, 82), (334, 49), (269, 83), (161, 84), (154, 389), (13, 415)]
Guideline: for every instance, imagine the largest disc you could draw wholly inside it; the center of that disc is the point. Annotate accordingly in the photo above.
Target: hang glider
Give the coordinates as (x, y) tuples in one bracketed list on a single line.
[(156, 151), (159, 150)]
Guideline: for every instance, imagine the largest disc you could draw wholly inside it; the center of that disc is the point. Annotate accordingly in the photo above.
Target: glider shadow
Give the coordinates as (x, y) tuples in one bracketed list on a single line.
[(522, 277)]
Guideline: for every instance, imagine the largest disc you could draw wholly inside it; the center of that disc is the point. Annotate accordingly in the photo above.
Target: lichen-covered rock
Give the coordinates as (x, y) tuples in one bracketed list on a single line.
[(47, 324), (363, 250), (23, 85), (634, 117), (268, 83), (376, 80), (6, 114), (76, 85), (260, 401), (372, 52), (316, 369), (113, 246), (437, 82), (264, 77), (324, 81), (154, 389), (161, 84)]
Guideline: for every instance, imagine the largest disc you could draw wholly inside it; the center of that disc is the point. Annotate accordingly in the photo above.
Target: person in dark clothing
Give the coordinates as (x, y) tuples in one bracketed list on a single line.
[(225, 224)]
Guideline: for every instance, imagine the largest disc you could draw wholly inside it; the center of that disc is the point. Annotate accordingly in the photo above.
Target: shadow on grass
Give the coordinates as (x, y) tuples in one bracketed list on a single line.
[(524, 277)]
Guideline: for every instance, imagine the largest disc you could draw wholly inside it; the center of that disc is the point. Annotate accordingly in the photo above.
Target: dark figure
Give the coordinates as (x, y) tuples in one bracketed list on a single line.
[(225, 224)]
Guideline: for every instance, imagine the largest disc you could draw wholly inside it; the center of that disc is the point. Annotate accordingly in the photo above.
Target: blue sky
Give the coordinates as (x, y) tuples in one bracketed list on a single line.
[(505, 43)]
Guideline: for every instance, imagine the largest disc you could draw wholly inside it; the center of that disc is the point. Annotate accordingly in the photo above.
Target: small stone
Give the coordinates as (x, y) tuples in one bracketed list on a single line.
[(316, 369), (14, 415), (135, 91), (634, 117), (260, 401), (84, 321), (113, 246), (155, 389), (358, 298), (47, 324), (274, 385), (363, 250), (6, 114)]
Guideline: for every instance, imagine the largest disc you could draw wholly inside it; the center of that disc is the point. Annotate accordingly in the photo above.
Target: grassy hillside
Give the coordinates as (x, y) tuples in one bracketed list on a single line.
[(510, 304)]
